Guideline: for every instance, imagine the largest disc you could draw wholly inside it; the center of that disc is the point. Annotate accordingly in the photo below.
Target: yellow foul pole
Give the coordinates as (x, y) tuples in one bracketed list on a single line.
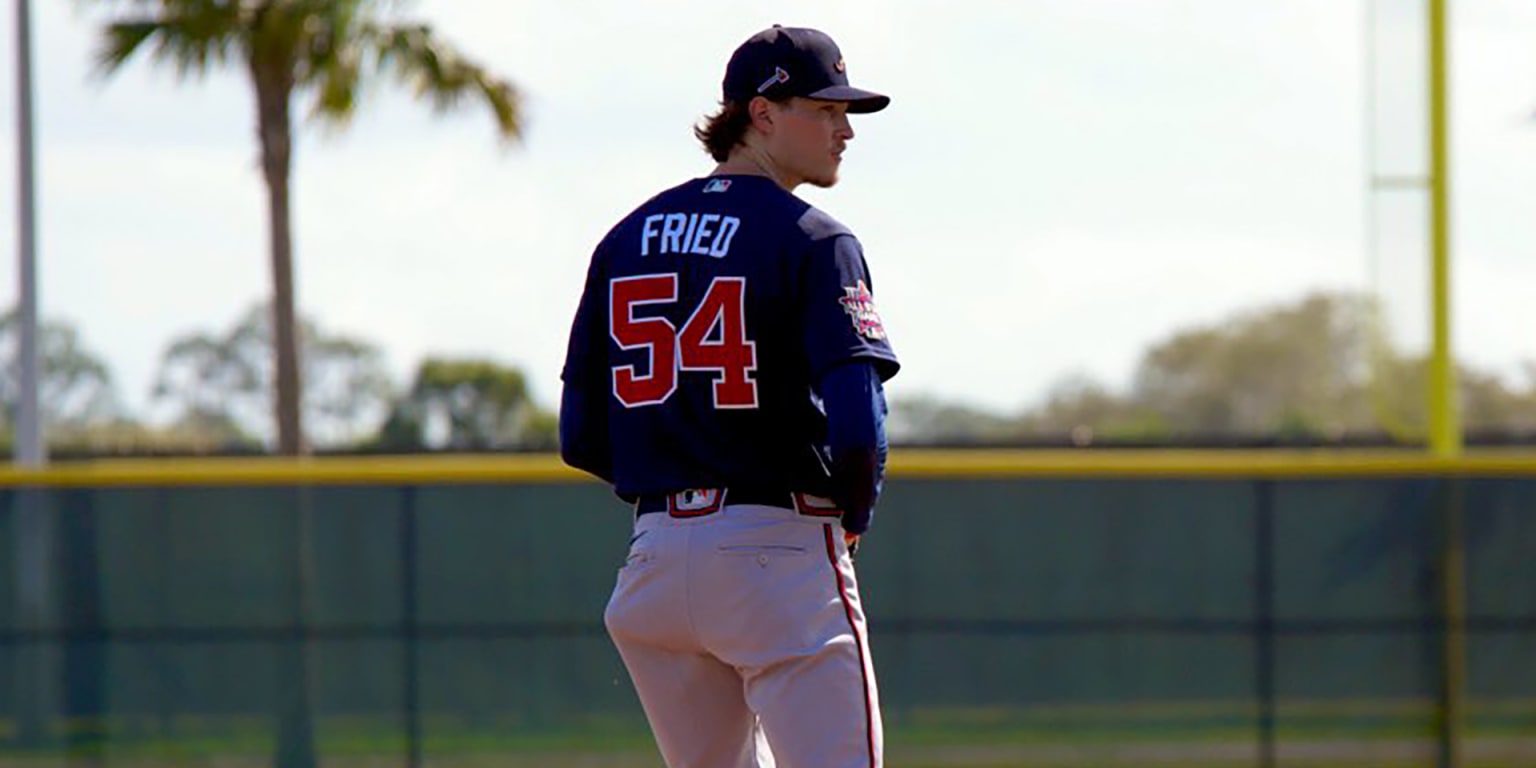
[(1445, 438), (1444, 417)]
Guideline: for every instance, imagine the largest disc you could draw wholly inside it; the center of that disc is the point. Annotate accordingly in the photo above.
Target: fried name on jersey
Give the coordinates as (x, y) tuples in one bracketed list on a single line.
[(702, 234)]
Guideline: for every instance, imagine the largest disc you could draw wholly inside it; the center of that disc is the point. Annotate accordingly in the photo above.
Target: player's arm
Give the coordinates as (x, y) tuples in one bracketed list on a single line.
[(584, 438), (850, 357), (855, 403)]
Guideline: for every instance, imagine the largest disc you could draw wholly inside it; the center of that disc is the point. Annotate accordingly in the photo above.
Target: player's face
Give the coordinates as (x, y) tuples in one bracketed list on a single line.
[(809, 140)]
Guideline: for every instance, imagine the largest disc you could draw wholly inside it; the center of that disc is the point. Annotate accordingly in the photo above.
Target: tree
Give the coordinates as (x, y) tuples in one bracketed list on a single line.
[(1087, 410), (1487, 403), (75, 386), (212, 379), (1303, 366), (329, 49), (466, 405), (221, 382), (927, 419), (1305, 370), (217, 378)]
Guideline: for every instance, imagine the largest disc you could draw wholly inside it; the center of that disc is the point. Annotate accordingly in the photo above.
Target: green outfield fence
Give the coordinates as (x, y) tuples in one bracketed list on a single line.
[(1243, 608)]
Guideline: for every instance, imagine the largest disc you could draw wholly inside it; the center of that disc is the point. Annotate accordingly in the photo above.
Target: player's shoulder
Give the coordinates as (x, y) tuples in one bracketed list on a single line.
[(818, 225)]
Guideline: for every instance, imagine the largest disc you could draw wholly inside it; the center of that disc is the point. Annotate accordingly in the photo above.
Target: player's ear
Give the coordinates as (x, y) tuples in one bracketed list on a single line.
[(761, 110)]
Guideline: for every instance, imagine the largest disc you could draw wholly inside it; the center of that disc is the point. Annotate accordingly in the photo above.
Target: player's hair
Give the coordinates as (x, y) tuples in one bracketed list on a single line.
[(723, 130)]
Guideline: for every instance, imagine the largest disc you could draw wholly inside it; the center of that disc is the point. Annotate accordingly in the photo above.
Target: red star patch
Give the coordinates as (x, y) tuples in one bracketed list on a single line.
[(860, 306)]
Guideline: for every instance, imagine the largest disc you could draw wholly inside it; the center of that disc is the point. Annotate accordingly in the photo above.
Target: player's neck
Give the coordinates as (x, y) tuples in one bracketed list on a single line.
[(751, 161)]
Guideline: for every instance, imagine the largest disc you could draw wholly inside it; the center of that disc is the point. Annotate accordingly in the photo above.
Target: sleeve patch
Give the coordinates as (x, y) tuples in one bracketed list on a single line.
[(860, 306)]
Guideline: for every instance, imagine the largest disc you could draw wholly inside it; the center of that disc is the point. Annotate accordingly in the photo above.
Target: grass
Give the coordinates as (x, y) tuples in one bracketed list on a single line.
[(1388, 734)]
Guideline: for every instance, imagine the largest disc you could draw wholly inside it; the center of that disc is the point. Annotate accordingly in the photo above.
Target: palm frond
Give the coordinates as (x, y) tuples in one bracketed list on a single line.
[(440, 73), (337, 90), (190, 35), (325, 57), (121, 40)]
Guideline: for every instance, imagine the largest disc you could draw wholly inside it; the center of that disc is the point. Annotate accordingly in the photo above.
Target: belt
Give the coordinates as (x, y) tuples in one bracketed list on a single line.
[(697, 502)]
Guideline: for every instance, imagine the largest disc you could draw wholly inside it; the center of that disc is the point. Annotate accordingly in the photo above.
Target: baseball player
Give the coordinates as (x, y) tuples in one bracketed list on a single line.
[(724, 374)]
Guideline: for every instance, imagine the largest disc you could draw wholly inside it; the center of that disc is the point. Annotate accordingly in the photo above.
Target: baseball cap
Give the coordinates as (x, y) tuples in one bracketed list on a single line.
[(780, 62)]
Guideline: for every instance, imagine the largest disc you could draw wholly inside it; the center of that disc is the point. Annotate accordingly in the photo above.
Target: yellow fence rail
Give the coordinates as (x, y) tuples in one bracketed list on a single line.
[(904, 463)]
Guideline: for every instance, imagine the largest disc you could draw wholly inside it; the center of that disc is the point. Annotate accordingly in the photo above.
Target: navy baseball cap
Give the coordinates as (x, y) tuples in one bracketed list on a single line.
[(781, 62)]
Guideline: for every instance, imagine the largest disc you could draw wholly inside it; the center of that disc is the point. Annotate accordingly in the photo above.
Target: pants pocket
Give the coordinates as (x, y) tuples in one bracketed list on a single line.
[(762, 549)]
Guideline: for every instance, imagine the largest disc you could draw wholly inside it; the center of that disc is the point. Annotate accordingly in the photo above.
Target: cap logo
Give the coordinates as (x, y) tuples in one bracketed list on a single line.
[(779, 76), (840, 66)]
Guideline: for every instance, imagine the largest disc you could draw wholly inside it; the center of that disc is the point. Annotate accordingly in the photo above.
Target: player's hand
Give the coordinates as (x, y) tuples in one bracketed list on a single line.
[(851, 540)]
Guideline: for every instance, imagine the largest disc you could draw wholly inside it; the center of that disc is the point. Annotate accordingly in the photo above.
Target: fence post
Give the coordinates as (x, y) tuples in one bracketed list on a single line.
[(36, 658), (85, 636), (1264, 616), (1453, 627), (296, 657), (410, 634)]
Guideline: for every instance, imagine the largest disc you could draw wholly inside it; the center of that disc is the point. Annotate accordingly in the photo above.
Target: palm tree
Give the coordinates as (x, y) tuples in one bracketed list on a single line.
[(327, 49)]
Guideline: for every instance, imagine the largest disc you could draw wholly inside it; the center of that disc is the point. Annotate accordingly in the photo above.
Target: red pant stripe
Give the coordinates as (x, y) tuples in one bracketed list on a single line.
[(858, 641)]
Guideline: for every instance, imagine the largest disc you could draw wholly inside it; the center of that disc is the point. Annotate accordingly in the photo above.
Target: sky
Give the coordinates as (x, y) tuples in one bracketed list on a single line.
[(1057, 185)]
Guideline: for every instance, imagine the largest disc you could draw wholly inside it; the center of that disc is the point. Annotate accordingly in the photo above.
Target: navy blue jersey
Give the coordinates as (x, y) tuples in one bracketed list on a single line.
[(708, 314)]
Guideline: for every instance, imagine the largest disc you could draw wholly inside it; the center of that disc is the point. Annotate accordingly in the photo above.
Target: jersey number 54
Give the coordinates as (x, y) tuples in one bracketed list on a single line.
[(728, 354)]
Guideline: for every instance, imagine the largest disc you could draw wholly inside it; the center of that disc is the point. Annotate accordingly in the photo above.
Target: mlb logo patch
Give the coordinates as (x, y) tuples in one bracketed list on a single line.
[(695, 502), (695, 499), (717, 185)]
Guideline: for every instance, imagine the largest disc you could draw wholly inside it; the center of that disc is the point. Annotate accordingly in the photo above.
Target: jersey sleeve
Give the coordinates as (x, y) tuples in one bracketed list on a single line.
[(856, 410), (840, 321), (584, 438)]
